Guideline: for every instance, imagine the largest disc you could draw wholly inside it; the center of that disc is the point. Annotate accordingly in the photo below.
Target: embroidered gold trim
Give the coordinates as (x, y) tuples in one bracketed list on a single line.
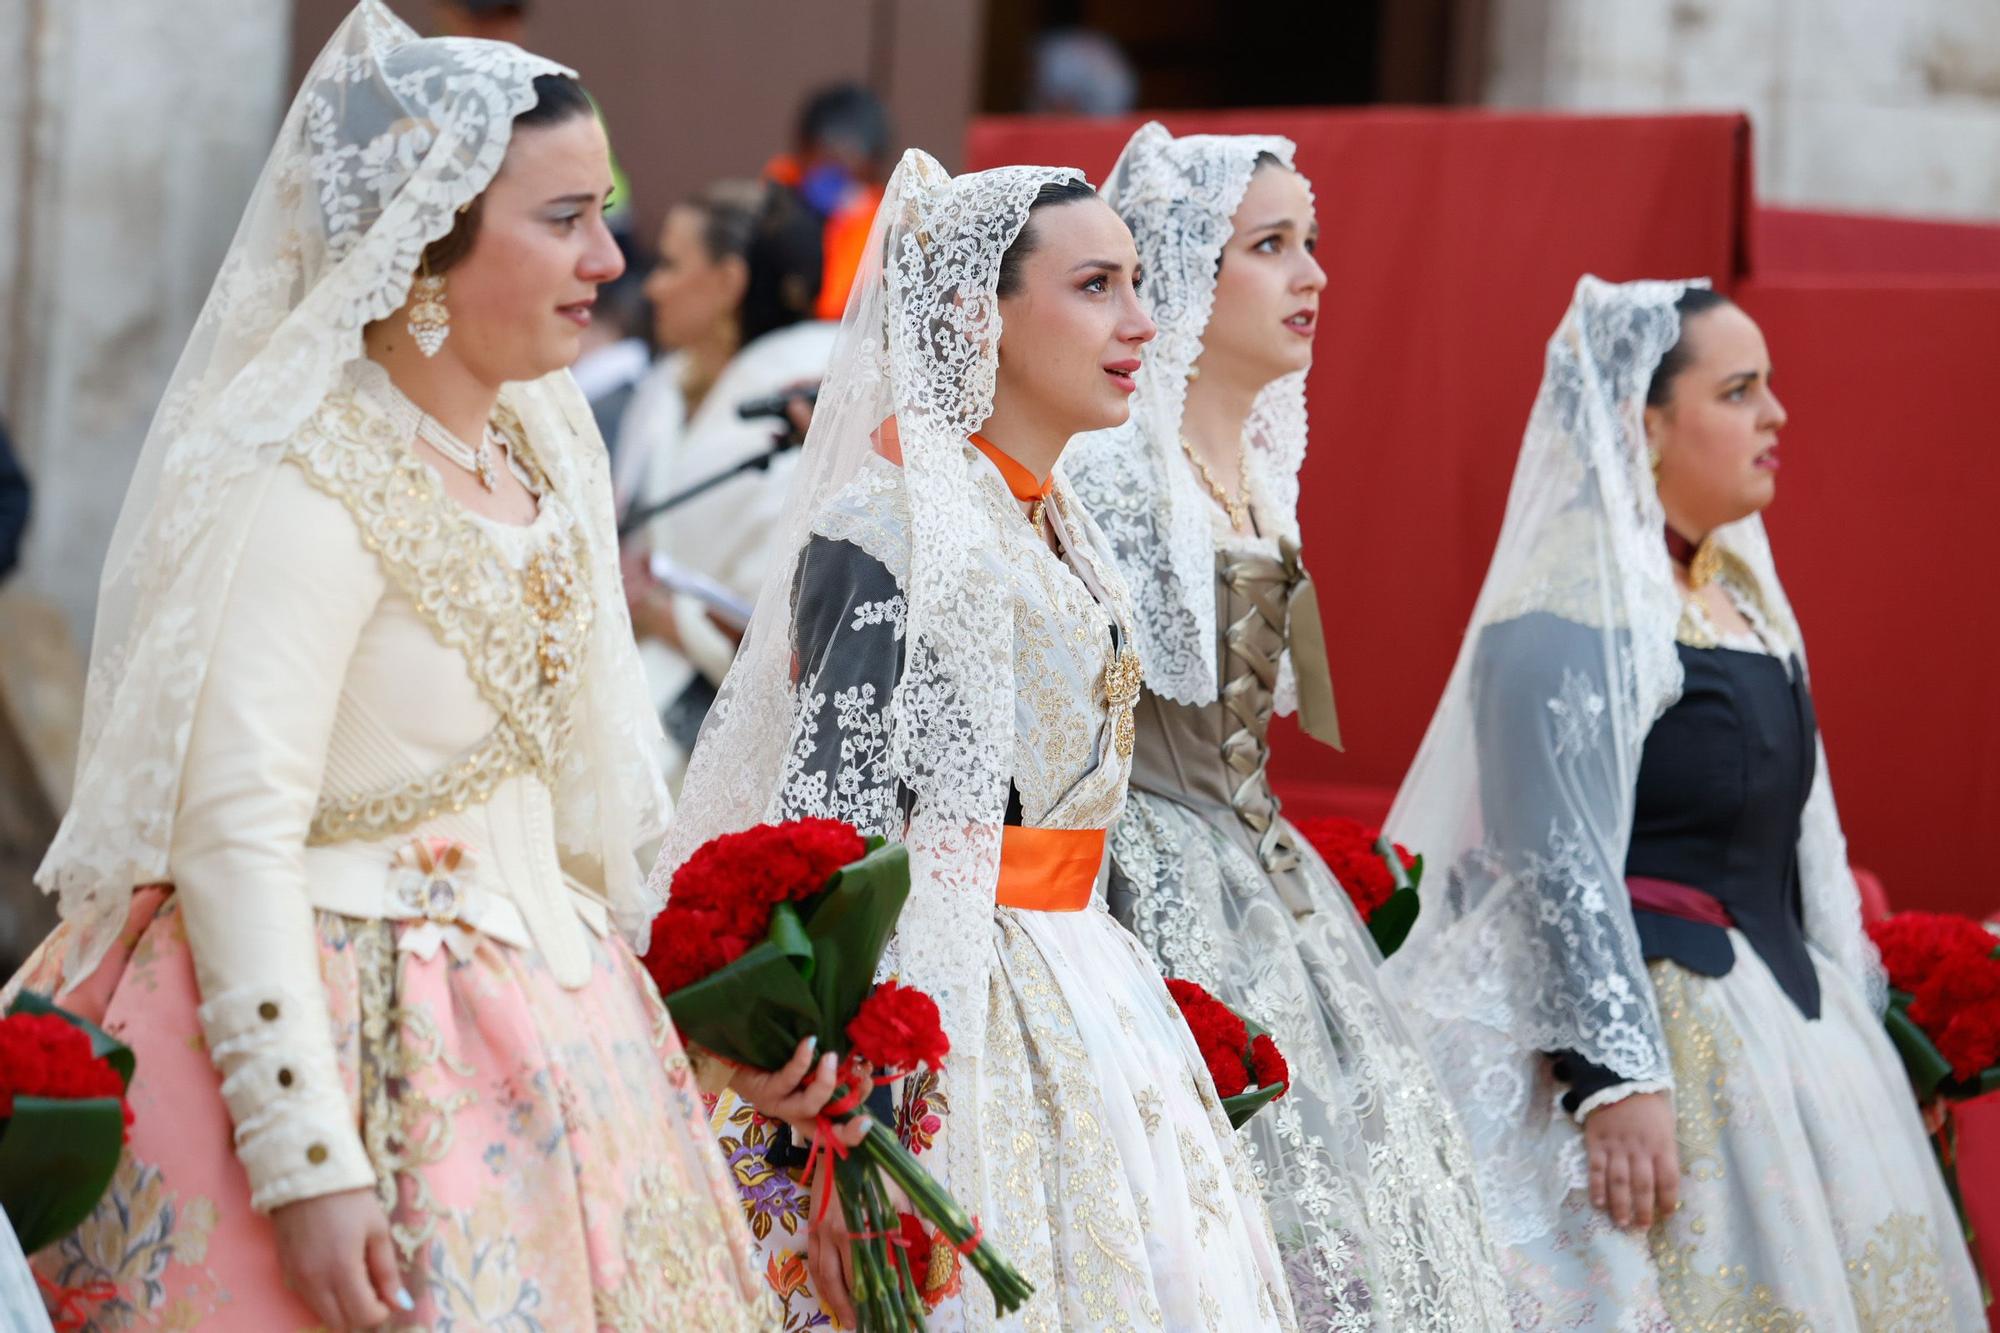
[(522, 635)]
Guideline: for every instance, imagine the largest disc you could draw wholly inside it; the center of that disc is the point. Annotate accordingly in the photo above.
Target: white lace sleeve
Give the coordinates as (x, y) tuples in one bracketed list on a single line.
[(303, 589)]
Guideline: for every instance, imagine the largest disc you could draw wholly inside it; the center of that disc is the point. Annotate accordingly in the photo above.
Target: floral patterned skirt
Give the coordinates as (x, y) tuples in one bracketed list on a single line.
[(557, 1175), (1809, 1196)]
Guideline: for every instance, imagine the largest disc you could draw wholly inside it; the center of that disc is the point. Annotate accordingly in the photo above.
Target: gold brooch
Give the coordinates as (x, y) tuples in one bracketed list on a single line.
[(1122, 679), (550, 581)]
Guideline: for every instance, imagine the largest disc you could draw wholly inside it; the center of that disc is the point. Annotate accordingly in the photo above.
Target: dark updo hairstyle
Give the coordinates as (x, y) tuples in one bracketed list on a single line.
[(778, 240), (558, 98), (1055, 192), (1694, 301)]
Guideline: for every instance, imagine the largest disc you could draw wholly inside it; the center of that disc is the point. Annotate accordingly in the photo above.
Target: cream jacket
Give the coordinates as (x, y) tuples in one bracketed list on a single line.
[(391, 674)]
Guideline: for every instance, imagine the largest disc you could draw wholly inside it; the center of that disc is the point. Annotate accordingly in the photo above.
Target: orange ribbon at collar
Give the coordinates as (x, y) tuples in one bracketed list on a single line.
[(1021, 483), (1048, 869)]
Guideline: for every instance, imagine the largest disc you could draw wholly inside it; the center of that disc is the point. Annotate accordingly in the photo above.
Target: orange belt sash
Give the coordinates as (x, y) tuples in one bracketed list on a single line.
[(1048, 869)]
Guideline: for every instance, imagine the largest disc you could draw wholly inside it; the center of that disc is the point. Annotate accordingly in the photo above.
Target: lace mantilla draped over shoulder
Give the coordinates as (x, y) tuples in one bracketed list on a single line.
[(389, 136), (1179, 196), (1526, 943), (910, 380)]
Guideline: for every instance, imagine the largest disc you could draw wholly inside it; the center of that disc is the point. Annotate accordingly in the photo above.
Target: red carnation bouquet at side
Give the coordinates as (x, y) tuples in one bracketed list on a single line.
[(773, 935), (1379, 875), (1944, 1001), (62, 1117), (1248, 1070)]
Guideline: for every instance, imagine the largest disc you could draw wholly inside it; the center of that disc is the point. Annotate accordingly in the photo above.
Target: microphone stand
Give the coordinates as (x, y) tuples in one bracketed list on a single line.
[(781, 443)]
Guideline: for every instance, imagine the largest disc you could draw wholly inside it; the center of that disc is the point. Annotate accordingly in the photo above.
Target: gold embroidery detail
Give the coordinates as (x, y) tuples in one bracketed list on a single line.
[(678, 1266), (1726, 1301), (1898, 1282), (523, 653), (1700, 1045)]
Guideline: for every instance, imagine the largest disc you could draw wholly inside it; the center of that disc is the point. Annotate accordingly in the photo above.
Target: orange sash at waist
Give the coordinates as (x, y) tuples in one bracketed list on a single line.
[(1048, 869)]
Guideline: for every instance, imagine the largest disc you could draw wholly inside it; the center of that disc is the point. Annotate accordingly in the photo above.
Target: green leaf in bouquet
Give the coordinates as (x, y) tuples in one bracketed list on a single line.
[(1243, 1105), (756, 1010), (1926, 1066), (1988, 1081), (102, 1044), (57, 1157), (1393, 920), (849, 925)]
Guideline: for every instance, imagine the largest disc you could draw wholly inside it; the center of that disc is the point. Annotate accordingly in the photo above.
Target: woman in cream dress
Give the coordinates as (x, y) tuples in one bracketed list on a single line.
[(366, 717)]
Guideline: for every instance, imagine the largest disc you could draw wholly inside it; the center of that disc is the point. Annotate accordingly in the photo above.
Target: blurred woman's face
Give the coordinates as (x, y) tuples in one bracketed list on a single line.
[(1071, 332), (693, 293), (1267, 293), (1716, 436), (521, 297)]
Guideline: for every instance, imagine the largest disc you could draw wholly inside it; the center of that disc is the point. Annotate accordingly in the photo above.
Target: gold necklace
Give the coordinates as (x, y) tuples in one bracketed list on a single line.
[(1236, 506)]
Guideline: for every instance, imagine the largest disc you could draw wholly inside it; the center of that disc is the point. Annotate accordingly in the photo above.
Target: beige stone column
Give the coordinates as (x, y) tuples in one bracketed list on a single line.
[(131, 133), (1856, 104)]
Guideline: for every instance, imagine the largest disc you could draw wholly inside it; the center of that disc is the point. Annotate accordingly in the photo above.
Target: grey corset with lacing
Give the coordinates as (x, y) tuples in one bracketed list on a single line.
[(1212, 756)]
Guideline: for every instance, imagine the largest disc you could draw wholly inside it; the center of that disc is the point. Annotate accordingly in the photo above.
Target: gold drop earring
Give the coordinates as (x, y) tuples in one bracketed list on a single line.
[(430, 322)]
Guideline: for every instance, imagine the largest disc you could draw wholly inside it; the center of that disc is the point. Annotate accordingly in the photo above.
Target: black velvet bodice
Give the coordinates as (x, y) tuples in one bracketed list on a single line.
[(1722, 789)]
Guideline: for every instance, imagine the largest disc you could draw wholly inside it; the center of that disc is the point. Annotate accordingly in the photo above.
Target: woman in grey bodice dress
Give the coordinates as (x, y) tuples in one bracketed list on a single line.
[(1365, 1172)]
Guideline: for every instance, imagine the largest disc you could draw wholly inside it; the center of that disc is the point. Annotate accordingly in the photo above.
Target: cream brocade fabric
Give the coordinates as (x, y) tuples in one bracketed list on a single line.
[(389, 668)]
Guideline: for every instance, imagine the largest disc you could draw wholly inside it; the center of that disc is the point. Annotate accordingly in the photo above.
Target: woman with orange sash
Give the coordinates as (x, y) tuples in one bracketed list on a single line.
[(958, 672)]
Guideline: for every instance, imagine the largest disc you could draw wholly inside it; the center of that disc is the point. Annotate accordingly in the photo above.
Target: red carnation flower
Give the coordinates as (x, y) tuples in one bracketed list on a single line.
[(1219, 1034), (722, 897), (899, 1028), (1268, 1063), (1348, 848), (1971, 1041), (1913, 943), (45, 1055), (1959, 982), (768, 863)]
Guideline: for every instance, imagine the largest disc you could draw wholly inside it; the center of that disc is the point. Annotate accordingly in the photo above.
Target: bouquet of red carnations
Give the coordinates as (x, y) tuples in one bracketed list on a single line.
[(1248, 1070), (1944, 1001), (1379, 875), (62, 1117), (773, 935)]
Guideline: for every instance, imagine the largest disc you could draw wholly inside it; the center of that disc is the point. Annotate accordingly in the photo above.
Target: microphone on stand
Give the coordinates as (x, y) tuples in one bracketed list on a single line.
[(785, 440)]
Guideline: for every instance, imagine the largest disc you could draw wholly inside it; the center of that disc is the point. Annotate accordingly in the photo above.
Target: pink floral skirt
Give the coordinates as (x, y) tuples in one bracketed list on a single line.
[(551, 1162)]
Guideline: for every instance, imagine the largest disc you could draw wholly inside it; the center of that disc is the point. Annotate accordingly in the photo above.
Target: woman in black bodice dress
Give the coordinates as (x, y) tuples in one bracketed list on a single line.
[(1640, 958)]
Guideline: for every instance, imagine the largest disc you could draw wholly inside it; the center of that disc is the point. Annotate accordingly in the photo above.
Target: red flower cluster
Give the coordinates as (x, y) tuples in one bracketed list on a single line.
[(898, 1028), (1914, 943), (42, 1055), (1958, 1007), (723, 895), (1267, 1063), (1348, 848), (1221, 1035)]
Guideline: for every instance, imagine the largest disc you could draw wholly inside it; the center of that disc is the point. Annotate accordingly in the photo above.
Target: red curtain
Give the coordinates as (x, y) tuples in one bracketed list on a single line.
[(1452, 241)]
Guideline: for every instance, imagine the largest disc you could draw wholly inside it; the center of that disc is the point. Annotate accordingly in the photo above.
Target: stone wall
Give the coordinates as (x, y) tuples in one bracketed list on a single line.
[(131, 133), (1887, 106)]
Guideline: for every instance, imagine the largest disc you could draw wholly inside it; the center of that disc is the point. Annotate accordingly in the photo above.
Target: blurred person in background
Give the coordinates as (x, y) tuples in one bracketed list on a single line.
[(733, 296), (836, 168), (13, 506), (617, 349), (1079, 72), (494, 20)]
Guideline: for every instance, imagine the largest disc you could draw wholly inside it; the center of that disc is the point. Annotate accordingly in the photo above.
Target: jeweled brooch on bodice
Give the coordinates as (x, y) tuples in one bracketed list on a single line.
[(554, 591), (1122, 679)]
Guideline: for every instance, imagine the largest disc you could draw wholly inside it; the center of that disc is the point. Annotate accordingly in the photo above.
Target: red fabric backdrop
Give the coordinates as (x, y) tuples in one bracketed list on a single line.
[(1793, 242), (1452, 241)]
